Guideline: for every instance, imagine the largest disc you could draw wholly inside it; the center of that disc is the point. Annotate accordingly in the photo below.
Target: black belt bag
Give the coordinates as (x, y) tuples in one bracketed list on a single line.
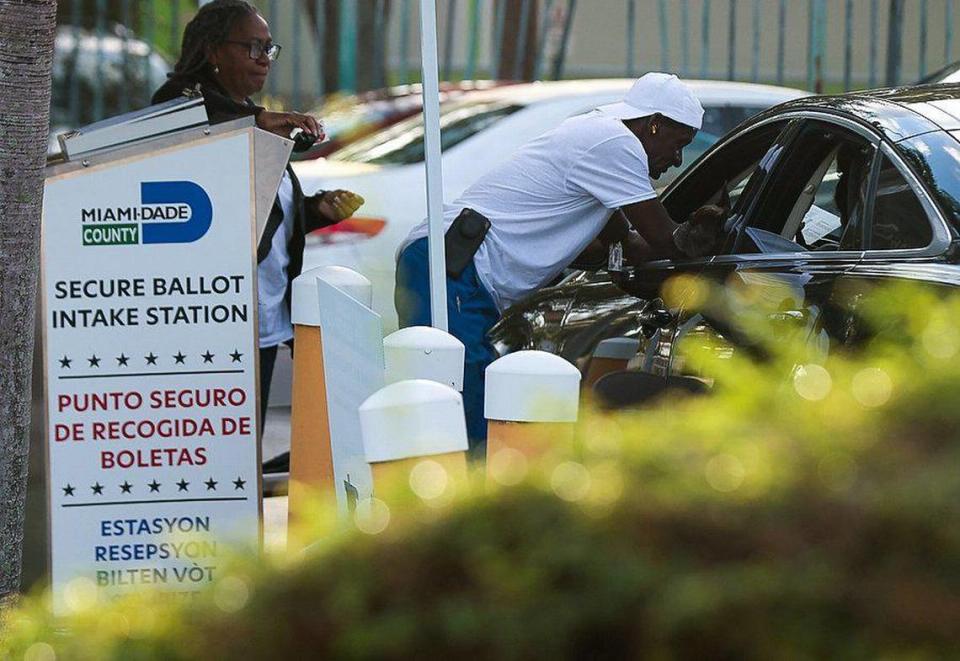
[(463, 239)]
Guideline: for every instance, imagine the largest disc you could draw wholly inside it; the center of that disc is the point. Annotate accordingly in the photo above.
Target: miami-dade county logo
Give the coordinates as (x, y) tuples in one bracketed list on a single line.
[(169, 212)]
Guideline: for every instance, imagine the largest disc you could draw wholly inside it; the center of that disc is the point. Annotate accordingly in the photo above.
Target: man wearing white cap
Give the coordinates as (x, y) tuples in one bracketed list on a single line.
[(547, 203)]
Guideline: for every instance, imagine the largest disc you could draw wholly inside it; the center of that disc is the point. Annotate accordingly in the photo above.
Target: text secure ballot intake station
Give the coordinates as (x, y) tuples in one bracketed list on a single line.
[(150, 362)]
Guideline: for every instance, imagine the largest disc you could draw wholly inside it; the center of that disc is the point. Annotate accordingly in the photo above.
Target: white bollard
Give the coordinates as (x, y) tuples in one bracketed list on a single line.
[(409, 421), (611, 355), (531, 402), (311, 456), (424, 352)]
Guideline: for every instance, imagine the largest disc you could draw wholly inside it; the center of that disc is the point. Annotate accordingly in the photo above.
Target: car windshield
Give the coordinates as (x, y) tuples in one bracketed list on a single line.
[(402, 144)]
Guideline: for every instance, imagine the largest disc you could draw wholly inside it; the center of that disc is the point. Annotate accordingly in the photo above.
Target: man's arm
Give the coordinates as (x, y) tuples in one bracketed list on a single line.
[(653, 223)]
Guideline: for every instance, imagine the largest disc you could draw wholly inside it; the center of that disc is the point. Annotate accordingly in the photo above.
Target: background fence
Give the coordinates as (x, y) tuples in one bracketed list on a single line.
[(111, 54)]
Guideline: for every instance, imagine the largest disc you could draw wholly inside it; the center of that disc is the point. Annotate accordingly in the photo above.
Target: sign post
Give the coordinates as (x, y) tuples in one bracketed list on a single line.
[(150, 357)]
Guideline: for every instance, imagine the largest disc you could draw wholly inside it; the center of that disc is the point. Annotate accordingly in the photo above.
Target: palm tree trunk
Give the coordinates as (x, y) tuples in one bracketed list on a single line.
[(26, 53)]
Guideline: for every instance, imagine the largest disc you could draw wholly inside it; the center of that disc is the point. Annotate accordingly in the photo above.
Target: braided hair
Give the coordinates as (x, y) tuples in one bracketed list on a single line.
[(210, 27)]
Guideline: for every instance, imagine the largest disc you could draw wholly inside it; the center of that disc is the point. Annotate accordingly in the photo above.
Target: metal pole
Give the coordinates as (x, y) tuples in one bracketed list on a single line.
[(821, 43), (521, 52), (473, 46), (631, 36), (732, 42), (98, 111), (126, 83), (562, 53), (923, 38), (705, 38), (431, 137), (496, 53), (894, 42), (542, 43), (379, 45), (148, 27), (75, 18), (320, 10), (847, 45), (781, 39), (664, 36), (948, 34), (405, 41), (175, 27), (296, 48), (271, 80), (874, 36), (811, 41), (348, 45), (448, 38), (685, 36), (755, 66)]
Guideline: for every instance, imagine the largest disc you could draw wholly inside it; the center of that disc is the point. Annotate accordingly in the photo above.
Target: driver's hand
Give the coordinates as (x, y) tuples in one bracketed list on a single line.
[(699, 235)]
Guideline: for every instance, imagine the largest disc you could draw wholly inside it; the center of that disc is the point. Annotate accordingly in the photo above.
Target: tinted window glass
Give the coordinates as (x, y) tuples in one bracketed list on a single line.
[(729, 166), (935, 158), (403, 144), (899, 221), (718, 120), (816, 199)]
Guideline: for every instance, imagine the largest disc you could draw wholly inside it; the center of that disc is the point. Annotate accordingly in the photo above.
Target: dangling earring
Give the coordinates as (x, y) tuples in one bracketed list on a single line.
[(653, 128), (216, 69)]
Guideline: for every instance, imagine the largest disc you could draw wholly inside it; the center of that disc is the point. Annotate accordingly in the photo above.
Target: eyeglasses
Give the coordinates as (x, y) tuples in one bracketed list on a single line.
[(258, 49)]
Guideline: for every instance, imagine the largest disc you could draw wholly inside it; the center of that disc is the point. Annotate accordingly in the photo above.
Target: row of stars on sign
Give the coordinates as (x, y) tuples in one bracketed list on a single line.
[(182, 485), (151, 358)]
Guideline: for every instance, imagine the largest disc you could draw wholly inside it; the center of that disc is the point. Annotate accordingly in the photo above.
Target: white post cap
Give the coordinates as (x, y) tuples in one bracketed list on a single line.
[(532, 386), (618, 348), (305, 303), (414, 418), (424, 352)]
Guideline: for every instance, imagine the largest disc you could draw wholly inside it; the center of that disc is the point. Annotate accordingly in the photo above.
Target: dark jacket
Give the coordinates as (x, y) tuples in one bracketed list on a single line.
[(222, 108)]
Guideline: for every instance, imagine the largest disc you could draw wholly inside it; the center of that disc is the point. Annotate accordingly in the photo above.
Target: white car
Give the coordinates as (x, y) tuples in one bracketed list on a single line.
[(479, 130)]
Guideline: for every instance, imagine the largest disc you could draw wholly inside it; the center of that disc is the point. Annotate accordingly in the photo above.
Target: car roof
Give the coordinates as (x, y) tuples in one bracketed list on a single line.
[(710, 92), (899, 112)]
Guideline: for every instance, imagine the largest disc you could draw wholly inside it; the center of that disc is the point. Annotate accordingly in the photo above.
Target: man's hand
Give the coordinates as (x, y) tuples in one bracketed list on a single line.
[(282, 123), (636, 250), (698, 236), (336, 205)]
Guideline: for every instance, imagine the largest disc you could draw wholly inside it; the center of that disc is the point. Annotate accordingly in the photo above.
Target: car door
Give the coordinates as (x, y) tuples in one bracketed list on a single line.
[(803, 228), (640, 305)]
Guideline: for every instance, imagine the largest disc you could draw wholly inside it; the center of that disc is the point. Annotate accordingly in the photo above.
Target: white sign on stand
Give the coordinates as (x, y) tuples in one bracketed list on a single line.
[(149, 304), (353, 370)]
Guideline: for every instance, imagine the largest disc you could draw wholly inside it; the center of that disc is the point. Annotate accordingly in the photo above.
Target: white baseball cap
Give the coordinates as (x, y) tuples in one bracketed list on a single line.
[(662, 93)]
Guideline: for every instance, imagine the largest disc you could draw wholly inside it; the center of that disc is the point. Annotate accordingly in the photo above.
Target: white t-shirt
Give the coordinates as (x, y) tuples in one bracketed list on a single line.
[(275, 325), (549, 201)]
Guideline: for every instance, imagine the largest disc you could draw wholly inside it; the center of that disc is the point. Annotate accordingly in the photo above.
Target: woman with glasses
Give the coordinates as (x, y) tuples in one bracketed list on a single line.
[(226, 55)]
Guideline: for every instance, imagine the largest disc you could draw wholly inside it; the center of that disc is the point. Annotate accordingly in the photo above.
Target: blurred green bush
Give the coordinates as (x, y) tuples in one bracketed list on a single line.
[(808, 509)]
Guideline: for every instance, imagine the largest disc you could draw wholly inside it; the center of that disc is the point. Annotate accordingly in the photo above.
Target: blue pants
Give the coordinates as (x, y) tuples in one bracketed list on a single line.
[(471, 314)]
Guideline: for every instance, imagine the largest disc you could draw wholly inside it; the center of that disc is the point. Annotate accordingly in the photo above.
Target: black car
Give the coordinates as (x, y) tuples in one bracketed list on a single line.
[(828, 195)]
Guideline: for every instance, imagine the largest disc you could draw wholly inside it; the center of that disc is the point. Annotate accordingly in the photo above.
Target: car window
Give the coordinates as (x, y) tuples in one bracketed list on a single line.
[(935, 159), (730, 167), (719, 120), (816, 198), (899, 220), (403, 144)]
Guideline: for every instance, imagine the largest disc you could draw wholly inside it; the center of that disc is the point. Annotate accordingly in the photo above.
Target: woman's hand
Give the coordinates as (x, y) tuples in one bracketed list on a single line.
[(336, 205), (282, 123)]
